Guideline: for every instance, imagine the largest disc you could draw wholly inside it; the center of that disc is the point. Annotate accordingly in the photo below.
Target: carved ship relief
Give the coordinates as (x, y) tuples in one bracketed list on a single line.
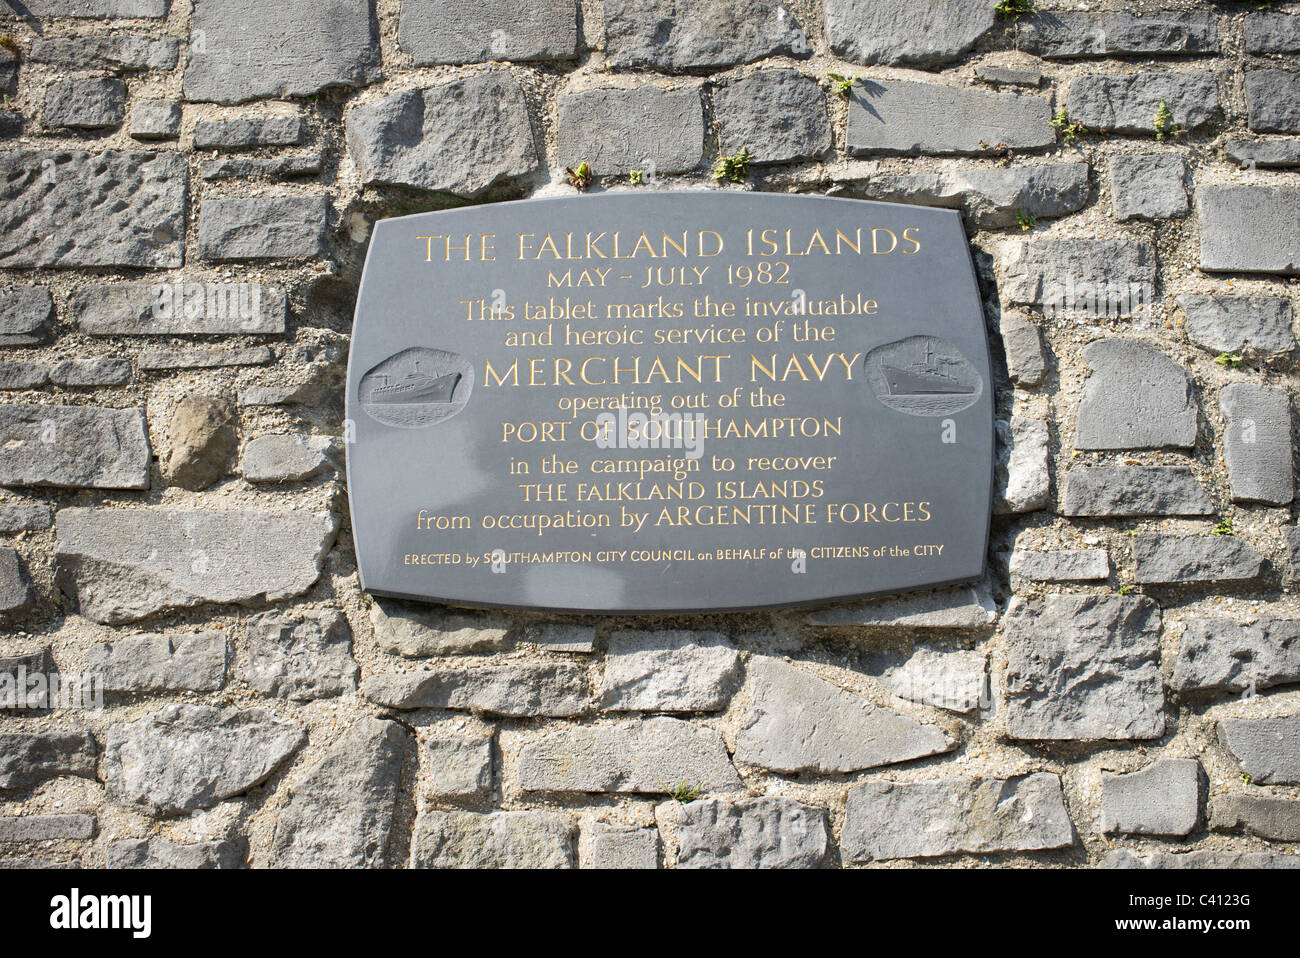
[(923, 376), (417, 387)]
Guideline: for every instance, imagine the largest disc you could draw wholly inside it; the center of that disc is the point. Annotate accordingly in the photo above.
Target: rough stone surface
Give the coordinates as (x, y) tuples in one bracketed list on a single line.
[(161, 663), (25, 315), (769, 832), (461, 137), (1271, 101), (1134, 491), (201, 440), (263, 227), (1009, 75), (1023, 345), (91, 372), (651, 756), (616, 130), (24, 517), (1277, 819), (906, 116), (301, 657), (1161, 799), (1272, 32), (532, 839), (203, 357), (797, 722), (418, 631), (15, 585), (669, 671), (190, 308), (1070, 276), (280, 128), (155, 120), (555, 689), (1061, 565), (1257, 443), (1083, 667), (1264, 154), (945, 816), (1230, 324), (560, 636), (1223, 655), (962, 609), (1021, 478), (263, 168), (1268, 750), (459, 31), (40, 828), (1249, 229), (72, 208), (287, 458), (16, 673), (777, 115), (1128, 103), (157, 852), (342, 810), (601, 845), (1166, 560), (1199, 860), (300, 47), (989, 197), (122, 565), (456, 758), (1150, 186), (97, 9), (85, 104), (29, 758), (74, 447), (1136, 398), (953, 680), (117, 52), (678, 35), (900, 33), (1068, 33), (183, 758)]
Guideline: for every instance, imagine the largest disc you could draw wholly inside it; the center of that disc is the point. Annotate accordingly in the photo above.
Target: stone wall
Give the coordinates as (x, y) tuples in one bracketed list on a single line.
[(1121, 689)]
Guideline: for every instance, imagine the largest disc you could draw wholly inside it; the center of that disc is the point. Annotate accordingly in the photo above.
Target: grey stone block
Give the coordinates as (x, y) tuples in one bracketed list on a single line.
[(1128, 103), (1062, 34), (1230, 324), (1273, 101), (1199, 860), (418, 631), (777, 115), (26, 313), (15, 585), (300, 47), (462, 137), (287, 458), (1023, 345), (1136, 398), (1257, 442), (85, 104), (1150, 186), (161, 663), (1083, 667), (183, 758), (901, 33), (16, 377), (616, 130), (749, 833), (651, 756), (1021, 478), (553, 689), (462, 31), (456, 758), (263, 227), (1161, 799), (98, 9), (952, 679), (961, 609), (72, 208), (158, 852), (200, 437), (797, 722), (29, 758), (1072, 277), (989, 197), (203, 357), (1134, 491), (669, 671), (91, 372), (262, 167), (116, 51), (189, 308), (1222, 655), (906, 116), (279, 128), (25, 517), (531, 839), (1265, 154), (601, 845), (43, 828), (1249, 229), (1276, 819), (1267, 749), (680, 35), (79, 447), (946, 816), (301, 657), (1061, 565), (1171, 560), (122, 565), (1009, 75), (1272, 32)]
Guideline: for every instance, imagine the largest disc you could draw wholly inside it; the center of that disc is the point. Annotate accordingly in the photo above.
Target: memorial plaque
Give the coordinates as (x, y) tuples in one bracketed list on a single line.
[(669, 401)]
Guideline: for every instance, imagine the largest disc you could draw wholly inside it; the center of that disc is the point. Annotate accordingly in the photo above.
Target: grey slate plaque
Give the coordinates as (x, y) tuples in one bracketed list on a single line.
[(669, 401)]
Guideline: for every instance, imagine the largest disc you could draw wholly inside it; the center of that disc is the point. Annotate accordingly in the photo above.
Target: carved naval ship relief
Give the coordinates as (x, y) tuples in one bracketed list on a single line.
[(417, 387), (923, 376)]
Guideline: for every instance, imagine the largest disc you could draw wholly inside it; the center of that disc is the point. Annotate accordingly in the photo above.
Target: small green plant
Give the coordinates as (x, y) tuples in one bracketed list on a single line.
[(1228, 360), (1026, 219), (1224, 528), (733, 168), (1165, 129), (1245, 778), (841, 84), (1070, 132), (636, 177), (685, 792), (1013, 10), (579, 178), (1126, 589), (10, 44)]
